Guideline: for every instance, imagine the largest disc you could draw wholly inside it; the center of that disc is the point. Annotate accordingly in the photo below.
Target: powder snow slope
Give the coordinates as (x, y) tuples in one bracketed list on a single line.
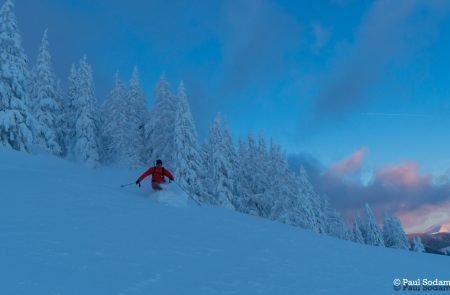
[(68, 230)]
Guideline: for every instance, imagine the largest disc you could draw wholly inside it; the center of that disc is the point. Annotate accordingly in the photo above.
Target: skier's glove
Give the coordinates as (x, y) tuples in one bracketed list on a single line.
[(138, 183)]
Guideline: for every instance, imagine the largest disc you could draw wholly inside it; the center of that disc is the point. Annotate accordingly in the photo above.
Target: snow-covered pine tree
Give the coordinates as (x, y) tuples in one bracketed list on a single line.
[(417, 245), (217, 187), (85, 148), (358, 236), (393, 234), (263, 171), (282, 195), (230, 155), (187, 157), (137, 117), (230, 166), (159, 130), (137, 95), (264, 184), (251, 163), (264, 168), (402, 238), (390, 240), (46, 104), (70, 109), (15, 114), (113, 122), (279, 194), (61, 124), (336, 227), (247, 200), (373, 235), (314, 205), (242, 183), (285, 196)]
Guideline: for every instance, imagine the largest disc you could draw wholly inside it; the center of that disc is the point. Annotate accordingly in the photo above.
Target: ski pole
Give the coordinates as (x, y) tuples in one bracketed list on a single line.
[(188, 194), (128, 184)]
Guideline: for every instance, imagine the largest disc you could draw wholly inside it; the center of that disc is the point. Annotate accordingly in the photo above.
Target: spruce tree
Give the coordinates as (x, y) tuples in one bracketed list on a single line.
[(61, 124), (15, 115), (70, 109), (159, 130), (313, 205), (242, 183), (275, 190), (358, 236), (231, 159), (248, 173), (85, 148), (137, 98), (372, 231), (336, 226), (113, 120), (187, 157), (46, 105), (272, 191), (264, 169), (393, 234), (417, 245), (216, 185), (402, 238), (137, 114)]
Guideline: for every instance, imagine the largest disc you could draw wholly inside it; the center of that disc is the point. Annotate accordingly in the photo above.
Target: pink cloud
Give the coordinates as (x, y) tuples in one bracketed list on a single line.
[(348, 165), (419, 199), (405, 175), (426, 216)]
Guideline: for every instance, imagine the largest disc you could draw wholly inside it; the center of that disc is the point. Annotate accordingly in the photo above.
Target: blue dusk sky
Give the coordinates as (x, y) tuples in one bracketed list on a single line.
[(356, 91)]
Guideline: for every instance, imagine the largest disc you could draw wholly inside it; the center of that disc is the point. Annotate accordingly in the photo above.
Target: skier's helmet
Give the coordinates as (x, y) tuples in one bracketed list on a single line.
[(158, 162)]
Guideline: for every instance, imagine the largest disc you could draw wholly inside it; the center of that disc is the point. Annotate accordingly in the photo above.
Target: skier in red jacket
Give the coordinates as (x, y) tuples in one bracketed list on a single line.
[(158, 172)]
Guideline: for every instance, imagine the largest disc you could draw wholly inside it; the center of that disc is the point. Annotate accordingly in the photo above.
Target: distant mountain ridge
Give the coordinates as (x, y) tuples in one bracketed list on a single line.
[(445, 228), (437, 242), (438, 228), (432, 229)]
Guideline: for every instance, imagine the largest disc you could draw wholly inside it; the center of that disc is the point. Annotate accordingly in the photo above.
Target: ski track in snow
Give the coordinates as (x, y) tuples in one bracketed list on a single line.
[(68, 230)]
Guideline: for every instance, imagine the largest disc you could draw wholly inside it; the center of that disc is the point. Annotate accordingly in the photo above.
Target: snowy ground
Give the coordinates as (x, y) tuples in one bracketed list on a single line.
[(68, 230)]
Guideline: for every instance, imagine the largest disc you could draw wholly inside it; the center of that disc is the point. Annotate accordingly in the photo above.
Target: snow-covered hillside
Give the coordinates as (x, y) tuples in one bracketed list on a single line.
[(65, 229)]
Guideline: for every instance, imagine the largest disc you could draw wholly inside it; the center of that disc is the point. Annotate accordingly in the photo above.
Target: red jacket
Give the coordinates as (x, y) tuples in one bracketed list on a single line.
[(158, 173)]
